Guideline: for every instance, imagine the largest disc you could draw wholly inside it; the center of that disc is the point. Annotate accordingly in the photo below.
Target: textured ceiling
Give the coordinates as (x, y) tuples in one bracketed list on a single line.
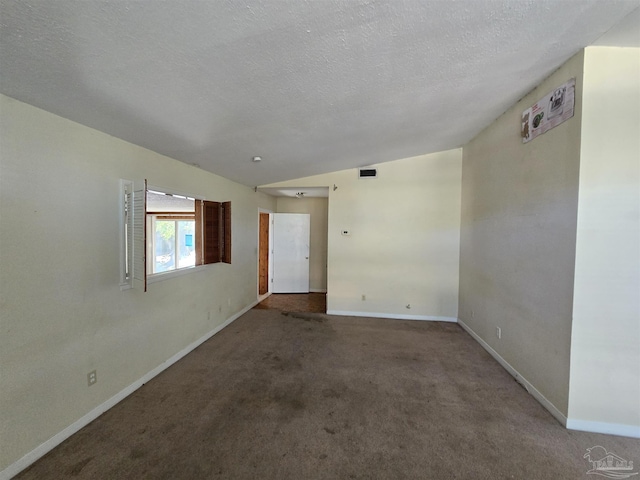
[(311, 86)]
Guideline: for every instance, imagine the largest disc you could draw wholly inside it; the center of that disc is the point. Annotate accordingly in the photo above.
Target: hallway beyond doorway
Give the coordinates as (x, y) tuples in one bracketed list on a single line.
[(295, 302)]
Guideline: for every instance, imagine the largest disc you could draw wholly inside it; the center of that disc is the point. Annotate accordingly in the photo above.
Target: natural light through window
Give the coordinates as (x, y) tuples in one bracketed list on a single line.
[(173, 243), (171, 224)]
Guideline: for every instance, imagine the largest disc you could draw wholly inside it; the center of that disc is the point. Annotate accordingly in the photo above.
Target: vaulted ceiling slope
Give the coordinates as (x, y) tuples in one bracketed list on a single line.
[(311, 86)]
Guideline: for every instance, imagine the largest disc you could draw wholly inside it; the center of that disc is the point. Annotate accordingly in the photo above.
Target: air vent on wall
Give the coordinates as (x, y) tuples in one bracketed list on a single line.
[(368, 173)]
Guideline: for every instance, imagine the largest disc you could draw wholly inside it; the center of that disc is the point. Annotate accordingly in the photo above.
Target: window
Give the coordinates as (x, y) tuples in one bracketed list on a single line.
[(170, 232), (172, 245), (164, 232)]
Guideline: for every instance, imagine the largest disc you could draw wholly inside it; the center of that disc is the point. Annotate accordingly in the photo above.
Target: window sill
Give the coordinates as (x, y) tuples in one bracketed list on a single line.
[(159, 277)]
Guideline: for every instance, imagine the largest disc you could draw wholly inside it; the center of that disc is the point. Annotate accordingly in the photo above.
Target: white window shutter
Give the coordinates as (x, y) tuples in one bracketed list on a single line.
[(139, 235), (126, 260)]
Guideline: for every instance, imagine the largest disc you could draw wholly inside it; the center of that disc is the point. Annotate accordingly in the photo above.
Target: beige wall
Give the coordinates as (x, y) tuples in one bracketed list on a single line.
[(62, 311), (404, 243), (605, 348), (318, 209), (519, 204)]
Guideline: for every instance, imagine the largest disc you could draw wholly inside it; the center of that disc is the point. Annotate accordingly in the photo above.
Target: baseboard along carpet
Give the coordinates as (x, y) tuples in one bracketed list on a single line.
[(281, 395)]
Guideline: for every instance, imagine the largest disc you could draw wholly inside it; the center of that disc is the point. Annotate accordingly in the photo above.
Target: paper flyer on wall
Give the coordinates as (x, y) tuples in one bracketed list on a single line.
[(548, 112)]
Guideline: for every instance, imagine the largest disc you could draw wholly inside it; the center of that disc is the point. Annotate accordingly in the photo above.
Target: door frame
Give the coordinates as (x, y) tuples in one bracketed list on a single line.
[(270, 255)]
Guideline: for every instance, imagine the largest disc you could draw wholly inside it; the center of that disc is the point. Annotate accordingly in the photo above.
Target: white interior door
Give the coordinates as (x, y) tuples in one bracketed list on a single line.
[(291, 252)]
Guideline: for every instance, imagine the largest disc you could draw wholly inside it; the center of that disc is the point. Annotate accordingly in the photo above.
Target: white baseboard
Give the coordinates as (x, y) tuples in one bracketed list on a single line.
[(430, 318), (519, 378), (603, 427), (262, 297), (60, 437)]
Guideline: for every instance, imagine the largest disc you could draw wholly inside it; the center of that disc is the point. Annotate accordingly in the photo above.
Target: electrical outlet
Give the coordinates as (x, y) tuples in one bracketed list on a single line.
[(92, 378), (364, 297), (498, 332)]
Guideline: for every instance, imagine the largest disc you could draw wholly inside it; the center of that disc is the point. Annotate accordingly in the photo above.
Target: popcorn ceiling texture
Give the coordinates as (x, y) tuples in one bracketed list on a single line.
[(311, 86)]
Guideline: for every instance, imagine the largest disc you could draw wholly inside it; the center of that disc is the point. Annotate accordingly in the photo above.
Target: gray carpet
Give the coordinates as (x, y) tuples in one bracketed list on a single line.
[(311, 396)]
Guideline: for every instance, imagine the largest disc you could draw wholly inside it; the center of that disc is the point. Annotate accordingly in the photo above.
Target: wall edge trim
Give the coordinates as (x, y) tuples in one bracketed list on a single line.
[(393, 316), (619, 429), (533, 391), (48, 445)]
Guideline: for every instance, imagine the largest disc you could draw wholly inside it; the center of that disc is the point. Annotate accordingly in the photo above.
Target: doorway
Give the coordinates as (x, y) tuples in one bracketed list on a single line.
[(308, 200)]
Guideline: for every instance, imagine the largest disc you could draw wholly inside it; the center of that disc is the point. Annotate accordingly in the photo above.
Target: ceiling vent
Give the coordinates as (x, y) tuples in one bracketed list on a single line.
[(367, 173)]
